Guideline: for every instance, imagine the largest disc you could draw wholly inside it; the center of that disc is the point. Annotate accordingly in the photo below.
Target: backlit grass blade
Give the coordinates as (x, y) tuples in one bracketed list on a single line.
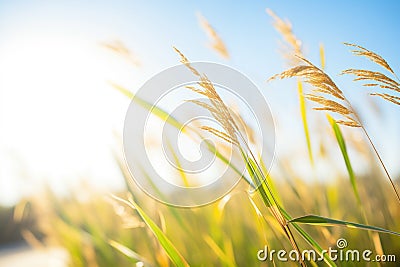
[(182, 173), (228, 261), (132, 255), (263, 221), (308, 238), (129, 185), (225, 160), (343, 149), (257, 180), (270, 181), (342, 144), (163, 115), (323, 221), (303, 112), (269, 198), (167, 245)]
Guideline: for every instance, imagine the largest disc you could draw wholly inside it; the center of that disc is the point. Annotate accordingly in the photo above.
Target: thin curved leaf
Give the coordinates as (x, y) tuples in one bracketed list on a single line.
[(309, 239), (319, 220), (343, 149), (167, 245)]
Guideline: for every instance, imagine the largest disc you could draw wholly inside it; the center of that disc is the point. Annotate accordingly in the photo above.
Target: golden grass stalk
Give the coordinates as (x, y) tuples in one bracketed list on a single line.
[(221, 113), (286, 31), (323, 84), (378, 80), (335, 107), (216, 42), (216, 107)]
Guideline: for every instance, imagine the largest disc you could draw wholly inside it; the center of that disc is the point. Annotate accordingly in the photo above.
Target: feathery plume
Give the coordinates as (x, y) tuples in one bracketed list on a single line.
[(361, 51), (391, 98), (285, 29), (322, 84), (216, 41), (375, 78), (215, 106), (119, 48)]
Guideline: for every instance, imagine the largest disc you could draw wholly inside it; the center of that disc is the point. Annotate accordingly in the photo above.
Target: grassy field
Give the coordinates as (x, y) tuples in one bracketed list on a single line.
[(288, 211), (99, 231)]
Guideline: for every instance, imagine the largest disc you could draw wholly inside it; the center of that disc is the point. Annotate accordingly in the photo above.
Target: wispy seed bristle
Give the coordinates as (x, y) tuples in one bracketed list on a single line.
[(361, 51), (391, 98), (216, 41)]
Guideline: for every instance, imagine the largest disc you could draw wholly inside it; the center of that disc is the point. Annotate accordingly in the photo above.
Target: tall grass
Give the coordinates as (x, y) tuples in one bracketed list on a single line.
[(237, 224), (131, 228)]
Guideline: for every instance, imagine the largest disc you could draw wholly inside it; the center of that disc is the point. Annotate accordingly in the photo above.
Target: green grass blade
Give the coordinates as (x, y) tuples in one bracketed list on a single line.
[(319, 220), (129, 185), (303, 112), (257, 180), (122, 90), (342, 144), (269, 198), (167, 245), (179, 165), (270, 181), (308, 238), (228, 261), (221, 157), (163, 115)]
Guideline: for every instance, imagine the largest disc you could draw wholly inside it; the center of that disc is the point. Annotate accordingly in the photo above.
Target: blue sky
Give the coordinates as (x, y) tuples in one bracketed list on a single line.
[(66, 36)]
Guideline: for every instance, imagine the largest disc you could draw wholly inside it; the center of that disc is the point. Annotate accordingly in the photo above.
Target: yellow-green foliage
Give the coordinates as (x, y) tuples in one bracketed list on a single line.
[(286, 212)]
